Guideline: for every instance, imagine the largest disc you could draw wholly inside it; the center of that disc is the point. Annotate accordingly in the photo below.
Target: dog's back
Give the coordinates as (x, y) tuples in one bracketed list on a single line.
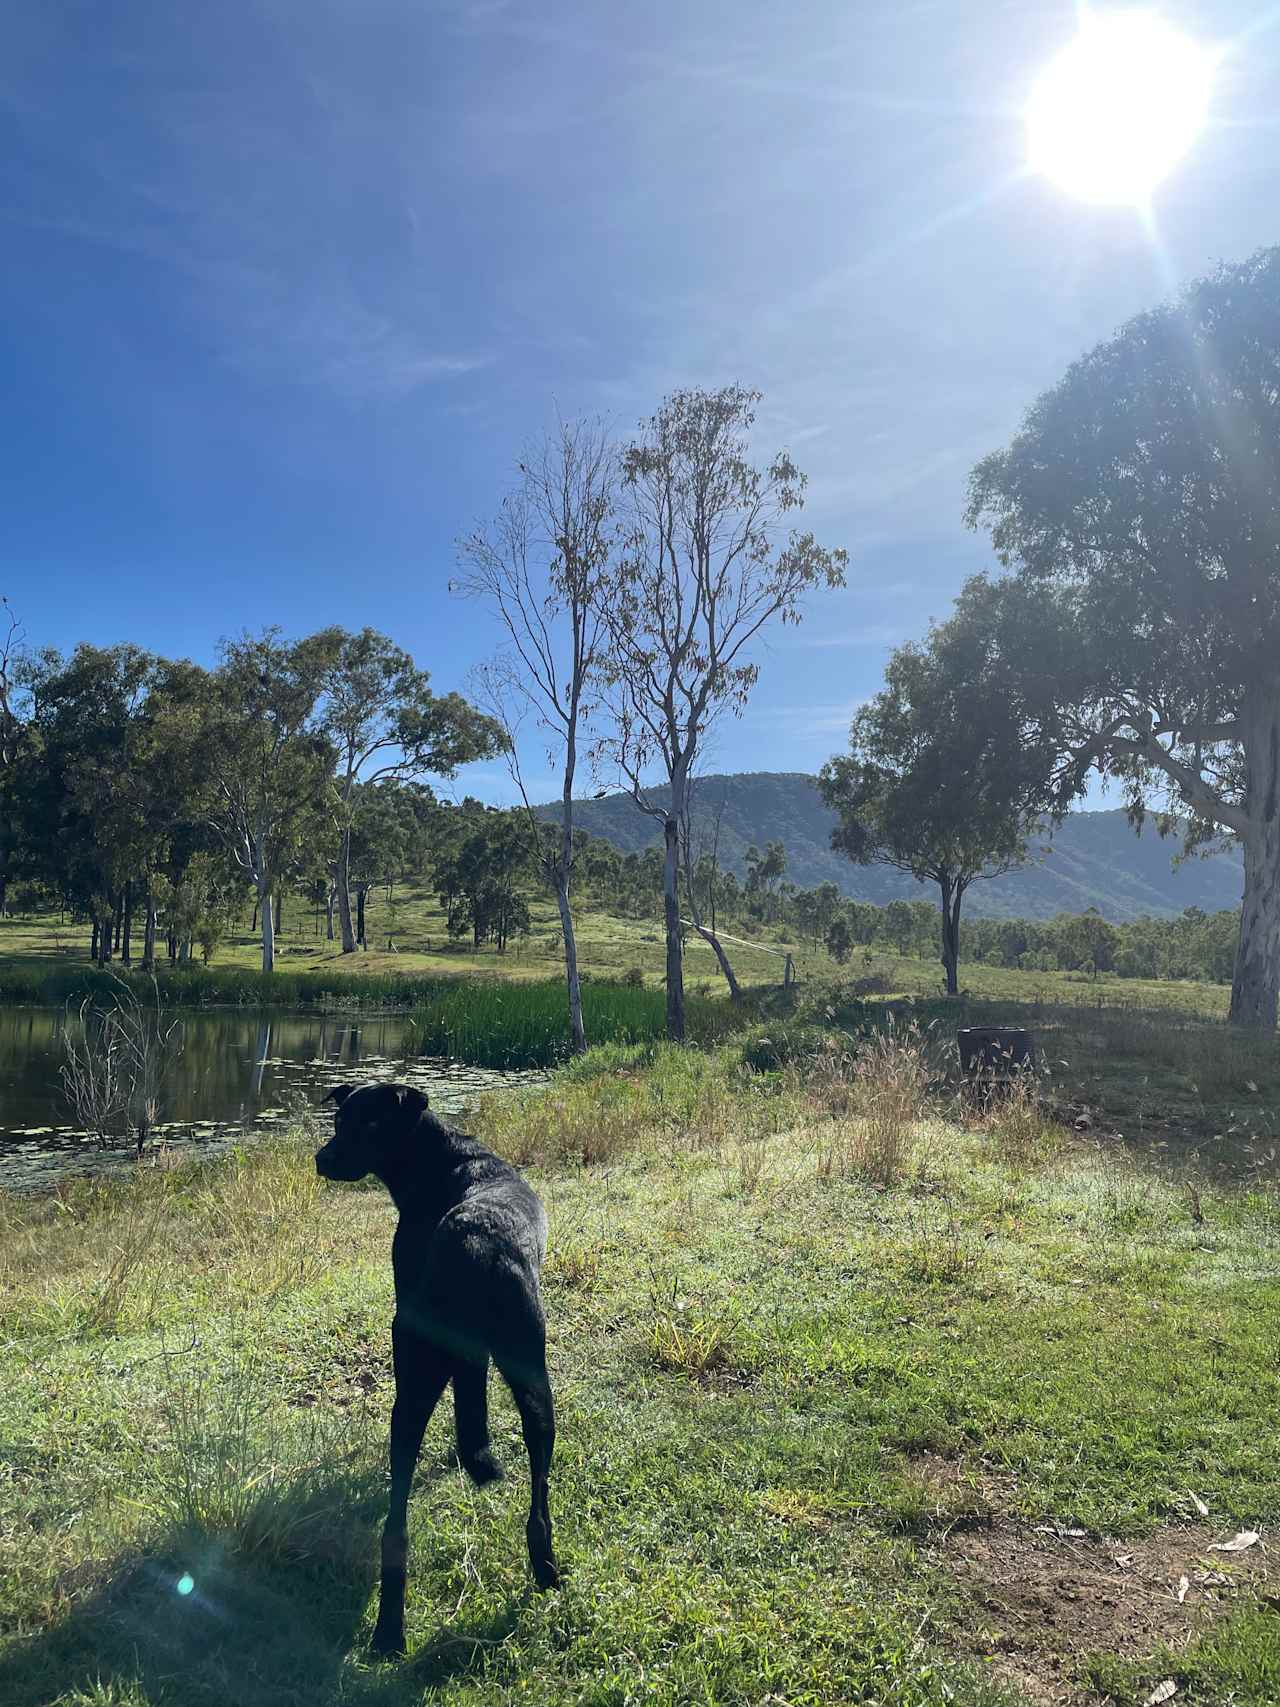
[(472, 1261)]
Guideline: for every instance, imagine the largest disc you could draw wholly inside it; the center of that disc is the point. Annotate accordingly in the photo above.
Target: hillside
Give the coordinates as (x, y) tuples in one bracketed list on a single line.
[(1095, 860)]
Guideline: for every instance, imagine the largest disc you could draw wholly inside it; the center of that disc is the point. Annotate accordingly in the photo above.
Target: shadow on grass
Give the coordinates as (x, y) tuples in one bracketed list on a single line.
[(193, 1621)]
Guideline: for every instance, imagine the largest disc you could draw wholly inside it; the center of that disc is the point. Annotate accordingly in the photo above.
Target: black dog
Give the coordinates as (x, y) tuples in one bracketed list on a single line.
[(466, 1256)]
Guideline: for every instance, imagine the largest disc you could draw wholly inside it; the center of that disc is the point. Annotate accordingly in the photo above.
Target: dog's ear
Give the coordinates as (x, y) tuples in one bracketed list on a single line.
[(339, 1094), (414, 1101)]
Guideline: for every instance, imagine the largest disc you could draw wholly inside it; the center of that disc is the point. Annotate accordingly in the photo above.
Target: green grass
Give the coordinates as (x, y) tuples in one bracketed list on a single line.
[(41, 958), (36, 948), (495, 1024), (798, 1377)]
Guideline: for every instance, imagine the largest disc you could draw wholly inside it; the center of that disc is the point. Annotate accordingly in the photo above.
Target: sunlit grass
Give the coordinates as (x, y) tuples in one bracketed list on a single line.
[(752, 1357)]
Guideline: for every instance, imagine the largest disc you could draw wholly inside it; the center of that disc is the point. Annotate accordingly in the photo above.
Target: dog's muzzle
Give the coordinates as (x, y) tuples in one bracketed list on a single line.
[(332, 1164)]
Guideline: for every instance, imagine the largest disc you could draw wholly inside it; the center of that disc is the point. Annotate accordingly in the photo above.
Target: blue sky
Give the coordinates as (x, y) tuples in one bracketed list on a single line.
[(287, 286)]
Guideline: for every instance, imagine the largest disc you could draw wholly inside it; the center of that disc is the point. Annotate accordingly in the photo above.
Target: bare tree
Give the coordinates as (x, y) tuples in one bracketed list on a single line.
[(701, 575), (541, 566)]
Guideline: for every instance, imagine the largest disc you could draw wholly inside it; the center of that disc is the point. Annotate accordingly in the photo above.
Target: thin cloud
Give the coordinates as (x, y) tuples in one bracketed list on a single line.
[(828, 719), (876, 634)]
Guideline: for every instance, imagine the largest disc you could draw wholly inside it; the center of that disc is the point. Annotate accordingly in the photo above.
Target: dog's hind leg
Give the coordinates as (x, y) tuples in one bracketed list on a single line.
[(471, 1414), (527, 1379)]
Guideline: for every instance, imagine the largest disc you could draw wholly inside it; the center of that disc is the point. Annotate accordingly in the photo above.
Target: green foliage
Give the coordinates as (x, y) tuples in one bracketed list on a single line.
[(770, 1047), (481, 872), (1140, 633)]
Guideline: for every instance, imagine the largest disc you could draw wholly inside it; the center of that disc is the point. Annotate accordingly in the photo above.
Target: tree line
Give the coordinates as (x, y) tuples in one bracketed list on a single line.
[(1134, 634), (630, 583), (138, 788)]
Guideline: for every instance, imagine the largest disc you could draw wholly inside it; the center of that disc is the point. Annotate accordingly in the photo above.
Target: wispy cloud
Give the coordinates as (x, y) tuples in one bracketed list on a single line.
[(875, 634), (830, 718)]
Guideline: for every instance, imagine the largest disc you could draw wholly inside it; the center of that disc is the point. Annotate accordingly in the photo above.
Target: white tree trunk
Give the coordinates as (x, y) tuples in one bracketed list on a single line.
[(577, 1030), (671, 912), (266, 912), (342, 881), (1256, 980)]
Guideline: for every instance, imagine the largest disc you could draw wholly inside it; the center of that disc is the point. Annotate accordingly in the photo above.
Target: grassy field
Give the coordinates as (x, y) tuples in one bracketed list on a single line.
[(609, 947), (860, 1401), (1146, 1062)]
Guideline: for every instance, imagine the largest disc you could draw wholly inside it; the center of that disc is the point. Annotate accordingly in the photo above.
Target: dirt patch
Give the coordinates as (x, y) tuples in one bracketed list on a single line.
[(1046, 1596)]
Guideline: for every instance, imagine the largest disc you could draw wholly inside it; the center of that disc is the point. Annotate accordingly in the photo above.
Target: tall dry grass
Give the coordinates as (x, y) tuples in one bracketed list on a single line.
[(1018, 1128), (119, 1254), (874, 1097)]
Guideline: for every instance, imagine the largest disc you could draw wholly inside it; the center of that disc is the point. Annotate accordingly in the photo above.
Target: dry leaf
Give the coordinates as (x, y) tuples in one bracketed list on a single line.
[(1250, 1086), (1237, 1543), (1184, 1583), (1162, 1692), (1199, 1504)]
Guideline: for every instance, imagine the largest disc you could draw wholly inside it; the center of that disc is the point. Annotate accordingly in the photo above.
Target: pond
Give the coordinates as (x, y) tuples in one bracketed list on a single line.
[(237, 1073)]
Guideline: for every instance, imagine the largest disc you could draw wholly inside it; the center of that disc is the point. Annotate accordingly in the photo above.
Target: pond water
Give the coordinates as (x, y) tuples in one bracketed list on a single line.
[(236, 1074)]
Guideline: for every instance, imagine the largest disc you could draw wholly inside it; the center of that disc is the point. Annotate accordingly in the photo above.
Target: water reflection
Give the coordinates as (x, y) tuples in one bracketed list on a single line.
[(236, 1070)]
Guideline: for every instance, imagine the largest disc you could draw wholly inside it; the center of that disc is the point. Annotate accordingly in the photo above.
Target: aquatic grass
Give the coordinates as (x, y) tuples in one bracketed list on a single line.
[(596, 1111), (192, 986), (527, 1025)]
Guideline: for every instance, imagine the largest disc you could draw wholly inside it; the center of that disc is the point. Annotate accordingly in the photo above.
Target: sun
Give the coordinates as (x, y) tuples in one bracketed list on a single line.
[(1115, 112)]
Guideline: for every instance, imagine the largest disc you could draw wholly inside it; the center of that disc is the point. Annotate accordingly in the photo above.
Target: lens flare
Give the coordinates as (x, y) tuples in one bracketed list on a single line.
[(185, 1583)]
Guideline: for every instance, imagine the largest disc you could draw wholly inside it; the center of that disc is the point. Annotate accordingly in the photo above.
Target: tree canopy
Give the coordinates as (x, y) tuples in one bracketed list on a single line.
[(937, 782), (1139, 509)]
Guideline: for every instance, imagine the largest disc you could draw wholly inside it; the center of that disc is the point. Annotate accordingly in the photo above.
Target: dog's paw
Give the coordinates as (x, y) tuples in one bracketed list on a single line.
[(387, 1644), (483, 1468)]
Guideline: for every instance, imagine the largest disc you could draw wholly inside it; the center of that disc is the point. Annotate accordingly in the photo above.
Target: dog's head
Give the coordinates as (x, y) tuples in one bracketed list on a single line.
[(373, 1128)]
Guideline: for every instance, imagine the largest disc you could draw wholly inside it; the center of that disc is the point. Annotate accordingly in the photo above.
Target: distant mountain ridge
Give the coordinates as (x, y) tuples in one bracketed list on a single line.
[(1095, 858)]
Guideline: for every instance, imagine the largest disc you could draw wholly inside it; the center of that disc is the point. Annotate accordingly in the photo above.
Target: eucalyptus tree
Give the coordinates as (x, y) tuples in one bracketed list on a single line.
[(378, 710), (481, 876), (84, 805), (1139, 508), (937, 783), (392, 824), (541, 567), (702, 572), (268, 758)]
